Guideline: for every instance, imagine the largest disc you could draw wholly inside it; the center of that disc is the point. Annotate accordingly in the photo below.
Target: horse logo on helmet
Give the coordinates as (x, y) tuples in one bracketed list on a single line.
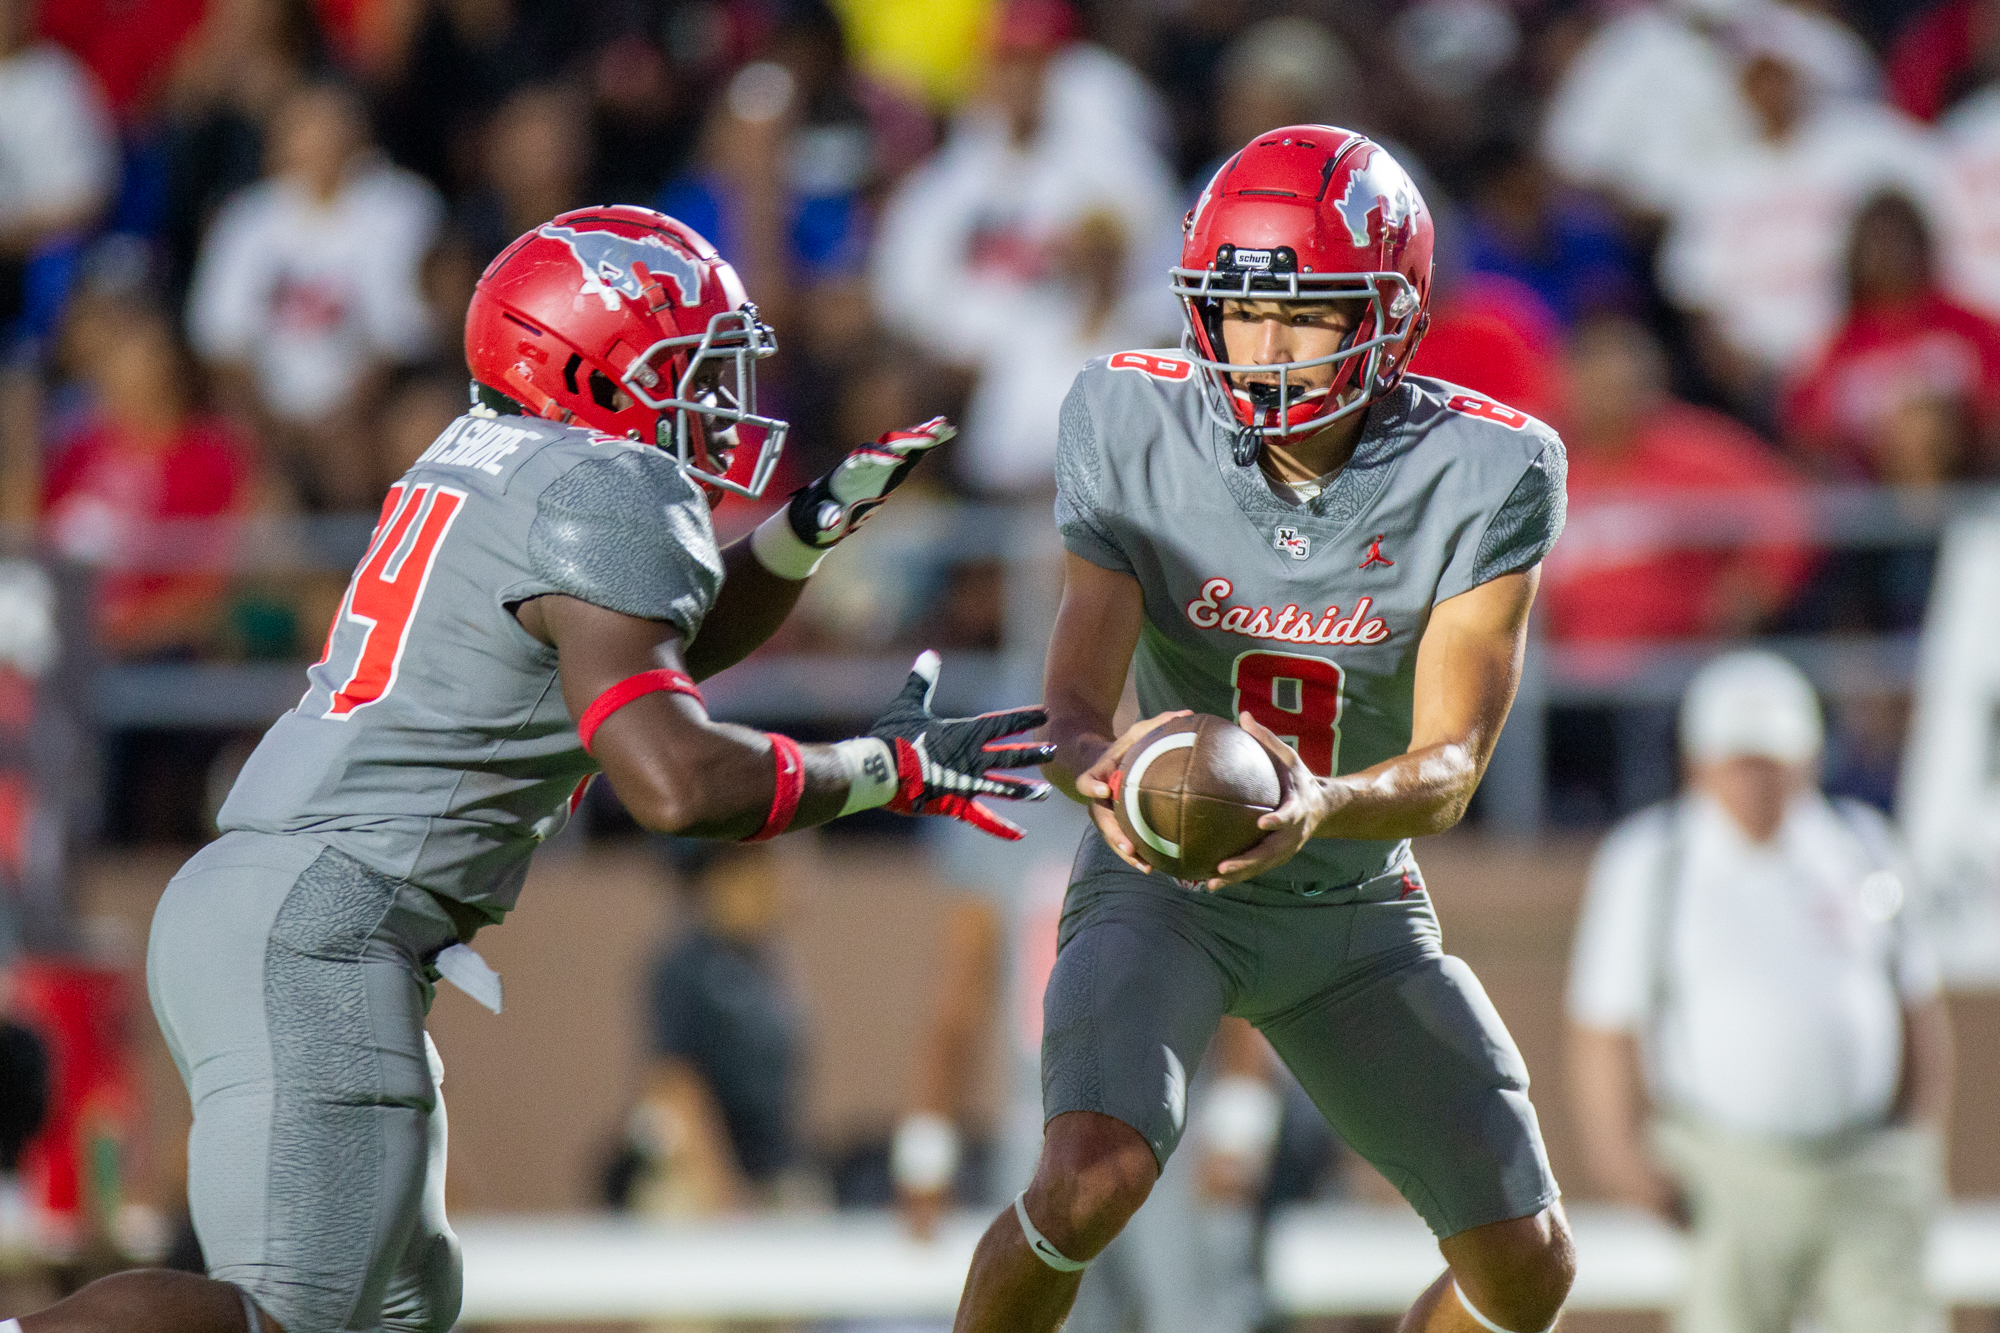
[(1379, 184), (610, 262)]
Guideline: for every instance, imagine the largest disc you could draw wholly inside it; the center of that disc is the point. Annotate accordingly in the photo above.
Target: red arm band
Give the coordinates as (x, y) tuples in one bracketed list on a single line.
[(791, 785), (624, 692)]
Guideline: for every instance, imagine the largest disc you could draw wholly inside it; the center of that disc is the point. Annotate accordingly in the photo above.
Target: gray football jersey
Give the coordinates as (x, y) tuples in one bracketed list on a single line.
[(1306, 615), (432, 743)]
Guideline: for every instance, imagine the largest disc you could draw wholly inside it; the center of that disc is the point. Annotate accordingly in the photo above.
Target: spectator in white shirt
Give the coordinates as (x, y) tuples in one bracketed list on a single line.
[(1746, 978), (982, 255), (1754, 239), (1971, 134), (308, 290), (58, 153), (1653, 97)]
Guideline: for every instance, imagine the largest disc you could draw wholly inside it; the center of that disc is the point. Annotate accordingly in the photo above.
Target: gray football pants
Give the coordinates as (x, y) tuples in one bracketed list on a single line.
[(290, 983), (1395, 1041)]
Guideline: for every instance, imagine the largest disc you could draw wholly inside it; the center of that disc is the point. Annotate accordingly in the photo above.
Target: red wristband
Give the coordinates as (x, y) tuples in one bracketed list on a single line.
[(624, 692), (791, 785)]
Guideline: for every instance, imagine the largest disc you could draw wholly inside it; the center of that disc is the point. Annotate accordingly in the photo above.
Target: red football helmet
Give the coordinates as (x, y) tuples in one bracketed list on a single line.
[(627, 321), (1306, 213)]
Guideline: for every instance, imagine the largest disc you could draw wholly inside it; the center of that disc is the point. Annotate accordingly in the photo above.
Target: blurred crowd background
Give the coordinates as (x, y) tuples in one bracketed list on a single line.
[(1734, 247), (1744, 254)]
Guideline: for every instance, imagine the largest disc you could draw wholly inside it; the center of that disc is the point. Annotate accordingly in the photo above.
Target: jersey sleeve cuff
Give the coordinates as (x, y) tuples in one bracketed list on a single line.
[(779, 549)]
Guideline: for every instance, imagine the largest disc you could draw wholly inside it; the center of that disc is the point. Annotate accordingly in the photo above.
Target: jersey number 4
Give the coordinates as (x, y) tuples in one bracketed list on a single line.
[(382, 599), (1297, 697)]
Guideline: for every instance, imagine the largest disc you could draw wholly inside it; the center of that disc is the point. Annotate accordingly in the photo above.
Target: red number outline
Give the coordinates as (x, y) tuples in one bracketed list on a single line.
[(408, 537), (1159, 367), (1312, 681), (1485, 408)]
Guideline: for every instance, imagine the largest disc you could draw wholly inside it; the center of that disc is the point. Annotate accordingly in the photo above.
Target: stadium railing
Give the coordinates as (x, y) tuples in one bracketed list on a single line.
[(1322, 1259), (922, 539)]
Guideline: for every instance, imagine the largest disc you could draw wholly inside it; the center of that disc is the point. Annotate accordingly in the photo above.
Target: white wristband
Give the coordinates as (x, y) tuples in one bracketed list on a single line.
[(923, 1158), (1239, 1117), (779, 549), (871, 773)]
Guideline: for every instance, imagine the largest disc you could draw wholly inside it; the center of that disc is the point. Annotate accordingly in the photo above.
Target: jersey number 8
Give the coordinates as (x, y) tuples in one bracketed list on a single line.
[(383, 597), (1297, 697)]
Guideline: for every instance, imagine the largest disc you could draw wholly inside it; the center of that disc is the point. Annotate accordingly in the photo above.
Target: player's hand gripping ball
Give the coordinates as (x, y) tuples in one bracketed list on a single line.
[(1189, 793)]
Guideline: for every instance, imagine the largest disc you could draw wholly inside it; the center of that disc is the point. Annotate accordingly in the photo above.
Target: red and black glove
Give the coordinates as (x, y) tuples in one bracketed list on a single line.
[(943, 763), (791, 542), (829, 509)]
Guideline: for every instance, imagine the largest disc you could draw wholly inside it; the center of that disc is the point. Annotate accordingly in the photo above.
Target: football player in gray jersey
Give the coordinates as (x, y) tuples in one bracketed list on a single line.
[(1274, 523), (540, 596)]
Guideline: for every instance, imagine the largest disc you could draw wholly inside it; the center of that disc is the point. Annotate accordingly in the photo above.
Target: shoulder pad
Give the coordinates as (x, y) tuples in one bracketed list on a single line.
[(623, 528), (1444, 401)]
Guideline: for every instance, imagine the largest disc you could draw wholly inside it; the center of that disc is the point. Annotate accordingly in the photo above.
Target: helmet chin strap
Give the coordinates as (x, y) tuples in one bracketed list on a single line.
[(494, 401), (1243, 449), (1266, 402)]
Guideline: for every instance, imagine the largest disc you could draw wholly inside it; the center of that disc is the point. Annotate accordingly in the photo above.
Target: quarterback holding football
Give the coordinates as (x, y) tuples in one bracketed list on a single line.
[(1276, 524), (542, 594)]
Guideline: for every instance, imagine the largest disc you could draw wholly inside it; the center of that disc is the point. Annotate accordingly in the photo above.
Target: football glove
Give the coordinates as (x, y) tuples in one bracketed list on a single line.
[(942, 763), (791, 542)]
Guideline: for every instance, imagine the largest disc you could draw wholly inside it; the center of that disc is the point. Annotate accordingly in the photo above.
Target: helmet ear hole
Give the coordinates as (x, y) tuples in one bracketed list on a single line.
[(569, 372), (603, 392)]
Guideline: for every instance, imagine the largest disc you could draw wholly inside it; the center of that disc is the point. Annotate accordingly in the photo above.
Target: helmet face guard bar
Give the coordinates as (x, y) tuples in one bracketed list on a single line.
[(734, 339), (1393, 306)]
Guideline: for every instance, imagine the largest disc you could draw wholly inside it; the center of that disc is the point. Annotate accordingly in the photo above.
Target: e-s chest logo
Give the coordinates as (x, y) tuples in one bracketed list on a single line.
[(1293, 543)]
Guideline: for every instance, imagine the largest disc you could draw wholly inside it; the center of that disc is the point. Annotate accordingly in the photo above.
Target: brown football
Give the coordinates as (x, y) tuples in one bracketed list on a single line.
[(1189, 794)]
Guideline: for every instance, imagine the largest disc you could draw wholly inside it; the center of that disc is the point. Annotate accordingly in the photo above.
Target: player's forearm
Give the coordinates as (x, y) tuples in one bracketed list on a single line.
[(1090, 654), (718, 780), (1080, 732), (765, 571), (1423, 792), (1468, 667), (752, 604)]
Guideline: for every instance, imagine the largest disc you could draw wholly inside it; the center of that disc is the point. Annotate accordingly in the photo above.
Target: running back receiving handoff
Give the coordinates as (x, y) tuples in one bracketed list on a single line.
[(1275, 524), (540, 598), (430, 745)]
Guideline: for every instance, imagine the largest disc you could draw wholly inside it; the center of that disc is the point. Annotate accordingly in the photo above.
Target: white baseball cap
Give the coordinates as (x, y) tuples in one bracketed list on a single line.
[(1751, 704)]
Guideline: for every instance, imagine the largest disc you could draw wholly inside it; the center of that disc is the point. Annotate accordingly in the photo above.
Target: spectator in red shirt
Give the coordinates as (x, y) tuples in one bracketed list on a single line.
[(1628, 573), (1943, 55), (146, 459), (1908, 391), (128, 44), (1494, 335)]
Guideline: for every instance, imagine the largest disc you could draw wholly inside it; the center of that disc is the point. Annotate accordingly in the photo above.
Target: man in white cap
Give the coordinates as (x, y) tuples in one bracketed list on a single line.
[(1748, 992)]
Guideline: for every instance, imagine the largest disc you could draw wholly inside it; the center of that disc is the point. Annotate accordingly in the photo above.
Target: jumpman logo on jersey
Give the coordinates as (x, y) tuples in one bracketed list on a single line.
[(1375, 556)]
